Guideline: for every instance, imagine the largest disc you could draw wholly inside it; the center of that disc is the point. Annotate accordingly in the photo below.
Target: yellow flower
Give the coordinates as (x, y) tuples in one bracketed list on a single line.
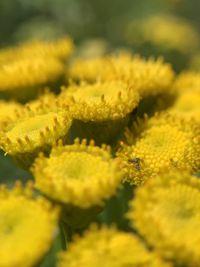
[(7, 110), (81, 175), (61, 48), (23, 77), (108, 247), (143, 30), (164, 142), (100, 101), (187, 106), (152, 77), (100, 110), (166, 212), (34, 130), (188, 82), (28, 226)]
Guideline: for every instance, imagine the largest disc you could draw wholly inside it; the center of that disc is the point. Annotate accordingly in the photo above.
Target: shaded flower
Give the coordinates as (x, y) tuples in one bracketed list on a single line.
[(110, 248), (28, 226), (100, 110), (165, 212)]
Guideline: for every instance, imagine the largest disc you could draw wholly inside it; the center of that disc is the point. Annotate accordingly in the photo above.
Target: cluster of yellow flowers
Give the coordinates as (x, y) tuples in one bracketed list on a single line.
[(80, 127)]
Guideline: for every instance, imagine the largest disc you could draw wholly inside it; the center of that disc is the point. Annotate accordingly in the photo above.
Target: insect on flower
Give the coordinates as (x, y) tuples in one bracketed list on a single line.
[(136, 162)]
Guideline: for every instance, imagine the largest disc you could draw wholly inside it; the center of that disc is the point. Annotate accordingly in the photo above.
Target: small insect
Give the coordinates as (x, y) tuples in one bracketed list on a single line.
[(136, 162)]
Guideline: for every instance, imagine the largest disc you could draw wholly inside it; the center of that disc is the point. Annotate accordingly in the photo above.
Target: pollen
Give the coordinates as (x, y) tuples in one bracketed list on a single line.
[(23, 242), (34, 130), (108, 247), (165, 210), (164, 142), (80, 175)]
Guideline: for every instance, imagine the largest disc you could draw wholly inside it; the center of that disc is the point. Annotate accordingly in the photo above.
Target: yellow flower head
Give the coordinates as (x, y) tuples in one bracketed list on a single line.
[(152, 77), (164, 142), (188, 82), (19, 77), (34, 130), (187, 106), (8, 110), (28, 226), (100, 101), (61, 48), (80, 175), (166, 212), (143, 30), (108, 247)]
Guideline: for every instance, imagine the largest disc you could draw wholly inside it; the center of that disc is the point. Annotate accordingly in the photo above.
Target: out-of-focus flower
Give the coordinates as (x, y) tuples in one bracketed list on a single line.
[(79, 175), (152, 77), (188, 81), (28, 226), (164, 142), (100, 109), (108, 247), (60, 49), (158, 30), (165, 212), (22, 78), (33, 130), (187, 106)]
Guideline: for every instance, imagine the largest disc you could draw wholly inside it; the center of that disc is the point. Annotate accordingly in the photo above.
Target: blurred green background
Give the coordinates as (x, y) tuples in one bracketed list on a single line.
[(83, 19), (100, 23)]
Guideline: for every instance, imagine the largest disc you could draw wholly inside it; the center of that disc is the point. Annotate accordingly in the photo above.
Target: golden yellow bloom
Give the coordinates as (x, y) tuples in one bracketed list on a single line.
[(7, 110), (108, 247), (23, 77), (140, 31), (100, 101), (152, 77), (28, 226), (166, 212), (81, 175), (188, 81), (187, 106), (100, 110), (34, 130), (61, 48), (163, 143)]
